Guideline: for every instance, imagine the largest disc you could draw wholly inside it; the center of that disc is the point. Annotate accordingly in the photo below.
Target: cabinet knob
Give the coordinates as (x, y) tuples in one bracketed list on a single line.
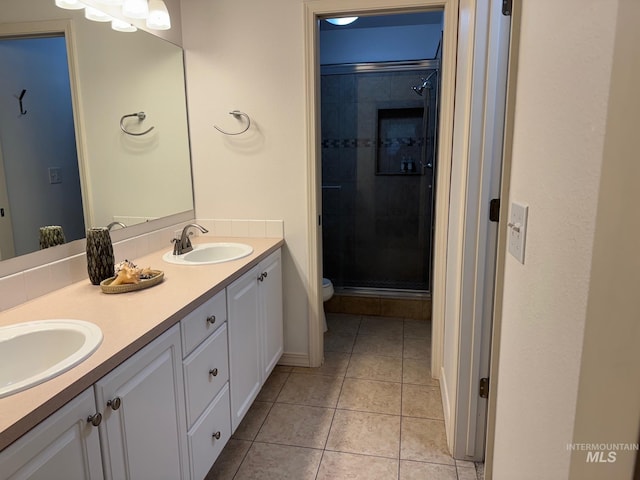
[(213, 372), (114, 404), (261, 277), (216, 435), (211, 319), (266, 274), (95, 420)]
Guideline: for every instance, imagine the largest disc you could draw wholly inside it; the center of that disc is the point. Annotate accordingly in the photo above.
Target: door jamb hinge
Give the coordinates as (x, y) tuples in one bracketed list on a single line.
[(494, 210), (506, 7), (483, 389)]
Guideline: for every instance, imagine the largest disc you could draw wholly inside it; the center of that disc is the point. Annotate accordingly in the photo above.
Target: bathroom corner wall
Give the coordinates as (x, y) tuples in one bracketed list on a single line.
[(249, 55)]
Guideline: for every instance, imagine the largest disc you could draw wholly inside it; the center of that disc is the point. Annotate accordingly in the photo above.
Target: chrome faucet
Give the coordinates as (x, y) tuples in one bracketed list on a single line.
[(113, 224), (183, 244)]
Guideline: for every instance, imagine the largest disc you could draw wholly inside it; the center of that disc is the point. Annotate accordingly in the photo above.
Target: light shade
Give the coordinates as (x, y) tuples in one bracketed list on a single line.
[(110, 2), (135, 8), (96, 15), (70, 4), (342, 21), (158, 18), (122, 26)]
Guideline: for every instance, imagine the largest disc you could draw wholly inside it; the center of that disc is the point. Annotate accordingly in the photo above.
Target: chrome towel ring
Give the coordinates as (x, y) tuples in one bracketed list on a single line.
[(236, 113), (141, 116)]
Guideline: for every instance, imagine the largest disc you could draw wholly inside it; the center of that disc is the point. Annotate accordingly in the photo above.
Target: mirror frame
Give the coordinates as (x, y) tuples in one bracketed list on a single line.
[(28, 261)]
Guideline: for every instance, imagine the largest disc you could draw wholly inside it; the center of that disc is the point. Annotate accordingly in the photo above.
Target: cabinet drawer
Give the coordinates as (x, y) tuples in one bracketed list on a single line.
[(203, 321), (206, 371), (204, 444)]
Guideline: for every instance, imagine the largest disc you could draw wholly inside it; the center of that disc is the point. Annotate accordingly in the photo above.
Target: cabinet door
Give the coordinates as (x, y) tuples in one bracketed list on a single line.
[(244, 344), (271, 312), (143, 431), (64, 446)]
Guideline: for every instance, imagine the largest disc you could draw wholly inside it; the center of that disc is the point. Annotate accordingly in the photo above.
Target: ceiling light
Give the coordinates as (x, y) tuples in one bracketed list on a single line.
[(135, 8), (158, 18), (122, 26), (70, 4), (342, 21), (91, 13)]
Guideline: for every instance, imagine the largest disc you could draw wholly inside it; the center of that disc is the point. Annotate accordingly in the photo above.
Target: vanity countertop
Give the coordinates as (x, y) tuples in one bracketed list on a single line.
[(128, 321)]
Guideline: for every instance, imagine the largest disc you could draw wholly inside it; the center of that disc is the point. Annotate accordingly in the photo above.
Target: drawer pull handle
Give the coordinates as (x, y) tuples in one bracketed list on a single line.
[(213, 372), (211, 319), (95, 420), (114, 404), (216, 435)]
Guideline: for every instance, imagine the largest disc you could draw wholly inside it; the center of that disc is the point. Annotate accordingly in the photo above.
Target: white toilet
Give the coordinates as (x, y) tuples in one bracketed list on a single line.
[(327, 293)]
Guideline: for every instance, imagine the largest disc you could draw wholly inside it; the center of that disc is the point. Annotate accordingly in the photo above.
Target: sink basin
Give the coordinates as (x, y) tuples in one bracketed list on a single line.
[(208, 253), (34, 352)]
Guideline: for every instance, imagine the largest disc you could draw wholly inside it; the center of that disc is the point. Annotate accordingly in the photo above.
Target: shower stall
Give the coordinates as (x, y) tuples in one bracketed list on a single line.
[(379, 124)]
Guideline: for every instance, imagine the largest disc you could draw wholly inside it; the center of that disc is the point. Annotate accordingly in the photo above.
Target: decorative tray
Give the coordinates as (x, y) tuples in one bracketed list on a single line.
[(156, 278)]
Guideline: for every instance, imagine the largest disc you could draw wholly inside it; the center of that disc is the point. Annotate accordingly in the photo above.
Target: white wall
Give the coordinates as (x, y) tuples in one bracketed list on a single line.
[(383, 44), (608, 409), (560, 117), (248, 55)]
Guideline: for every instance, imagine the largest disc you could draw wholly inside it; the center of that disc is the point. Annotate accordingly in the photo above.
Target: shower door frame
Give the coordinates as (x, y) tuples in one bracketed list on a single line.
[(431, 64)]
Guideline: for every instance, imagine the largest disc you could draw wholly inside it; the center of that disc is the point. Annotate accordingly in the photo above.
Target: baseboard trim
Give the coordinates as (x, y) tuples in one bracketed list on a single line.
[(294, 359), (446, 407)]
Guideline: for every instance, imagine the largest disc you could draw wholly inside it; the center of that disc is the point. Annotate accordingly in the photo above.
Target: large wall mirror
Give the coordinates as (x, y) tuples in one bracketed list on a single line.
[(64, 158)]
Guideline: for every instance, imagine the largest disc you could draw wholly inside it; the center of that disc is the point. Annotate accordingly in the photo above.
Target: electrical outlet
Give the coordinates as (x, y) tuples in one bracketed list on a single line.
[(518, 230), (55, 175)]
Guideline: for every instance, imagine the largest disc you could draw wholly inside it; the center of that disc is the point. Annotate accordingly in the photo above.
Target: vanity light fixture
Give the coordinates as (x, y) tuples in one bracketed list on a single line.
[(135, 8), (91, 13), (342, 21), (122, 26), (70, 4), (158, 18), (110, 2)]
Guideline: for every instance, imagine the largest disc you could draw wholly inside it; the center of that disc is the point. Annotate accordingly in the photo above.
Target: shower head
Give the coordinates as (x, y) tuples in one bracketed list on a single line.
[(425, 84)]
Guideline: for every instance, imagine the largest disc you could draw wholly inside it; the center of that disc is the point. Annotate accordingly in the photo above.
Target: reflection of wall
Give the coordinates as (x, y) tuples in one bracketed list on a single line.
[(121, 73), (147, 176), (43, 138)]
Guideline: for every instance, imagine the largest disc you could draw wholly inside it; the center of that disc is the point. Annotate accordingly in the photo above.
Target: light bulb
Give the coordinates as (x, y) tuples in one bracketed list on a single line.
[(122, 26), (158, 18), (91, 13), (342, 21), (135, 8)]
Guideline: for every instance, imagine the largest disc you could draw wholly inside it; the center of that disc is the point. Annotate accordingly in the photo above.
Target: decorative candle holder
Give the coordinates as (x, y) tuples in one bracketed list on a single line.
[(50, 236), (100, 260)]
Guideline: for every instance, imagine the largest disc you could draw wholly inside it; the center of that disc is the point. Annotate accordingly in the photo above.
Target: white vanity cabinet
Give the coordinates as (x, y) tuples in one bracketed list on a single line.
[(254, 304), (64, 446), (206, 375), (143, 431)]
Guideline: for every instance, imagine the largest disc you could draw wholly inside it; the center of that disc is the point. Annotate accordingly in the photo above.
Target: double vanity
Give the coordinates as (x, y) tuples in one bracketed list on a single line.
[(176, 370)]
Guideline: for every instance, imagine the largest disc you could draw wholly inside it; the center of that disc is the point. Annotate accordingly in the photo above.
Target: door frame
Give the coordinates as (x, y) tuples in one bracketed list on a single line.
[(313, 11)]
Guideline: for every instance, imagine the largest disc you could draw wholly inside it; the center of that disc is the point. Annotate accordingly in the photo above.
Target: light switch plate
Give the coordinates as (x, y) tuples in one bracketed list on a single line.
[(55, 175), (518, 230)]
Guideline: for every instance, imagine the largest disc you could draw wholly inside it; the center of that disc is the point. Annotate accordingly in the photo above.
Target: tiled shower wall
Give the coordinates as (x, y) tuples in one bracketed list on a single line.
[(376, 227)]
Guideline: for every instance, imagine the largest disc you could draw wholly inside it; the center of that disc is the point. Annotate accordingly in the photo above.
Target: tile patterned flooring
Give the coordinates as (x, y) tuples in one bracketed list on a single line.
[(371, 412)]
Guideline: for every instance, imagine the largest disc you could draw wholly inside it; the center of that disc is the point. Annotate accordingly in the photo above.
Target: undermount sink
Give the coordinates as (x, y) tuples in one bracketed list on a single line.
[(208, 253), (34, 352)]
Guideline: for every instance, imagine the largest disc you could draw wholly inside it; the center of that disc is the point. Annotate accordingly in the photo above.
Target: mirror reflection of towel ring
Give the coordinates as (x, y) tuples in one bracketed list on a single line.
[(141, 116), (236, 113)]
